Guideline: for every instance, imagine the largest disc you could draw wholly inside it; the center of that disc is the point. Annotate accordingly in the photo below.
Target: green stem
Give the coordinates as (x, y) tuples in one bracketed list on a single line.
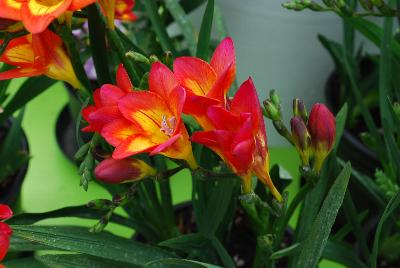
[(284, 221), (119, 47), (160, 29), (70, 43), (98, 44)]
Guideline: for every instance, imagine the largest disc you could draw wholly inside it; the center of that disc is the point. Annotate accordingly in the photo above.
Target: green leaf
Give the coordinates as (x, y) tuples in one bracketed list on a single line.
[(342, 254), (350, 212), (340, 125), (315, 242), (98, 45), (31, 88), (76, 211), (79, 261), (19, 244), (390, 208), (223, 254), (79, 240), (180, 263), (368, 184), (11, 155), (373, 32), (205, 31), (28, 262), (181, 18), (158, 25), (286, 251)]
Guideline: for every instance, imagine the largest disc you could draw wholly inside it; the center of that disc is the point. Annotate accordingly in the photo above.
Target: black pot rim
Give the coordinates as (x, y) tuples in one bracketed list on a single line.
[(11, 195)]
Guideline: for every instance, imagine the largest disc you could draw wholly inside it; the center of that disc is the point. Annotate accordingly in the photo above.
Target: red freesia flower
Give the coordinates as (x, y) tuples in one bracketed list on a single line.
[(152, 121), (322, 128), (105, 108), (38, 54), (37, 15), (5, 230), (124, 170), (206, 84), (239, 137)]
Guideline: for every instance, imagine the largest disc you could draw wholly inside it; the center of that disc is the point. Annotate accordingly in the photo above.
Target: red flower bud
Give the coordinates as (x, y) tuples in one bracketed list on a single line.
[(301, 138), (322, 128), (5, 212), (120, 171)]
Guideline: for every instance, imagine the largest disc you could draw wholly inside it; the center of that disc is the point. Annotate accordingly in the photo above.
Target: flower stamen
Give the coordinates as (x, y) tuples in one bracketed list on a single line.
[(168, 125)]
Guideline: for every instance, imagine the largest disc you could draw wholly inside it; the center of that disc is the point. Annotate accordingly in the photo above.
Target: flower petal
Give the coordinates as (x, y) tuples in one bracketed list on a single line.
[(21, 72), (19, 52), (164, 146), (222, 85), (223, 119), (10, 9), (224, 58), (123, 80), (194, 74), (197, 106), (135, 144), (146, 109), (38, 14), (5, 212), (79, 4), (162, 80), (4, 245), (118, 131), (109, 95)]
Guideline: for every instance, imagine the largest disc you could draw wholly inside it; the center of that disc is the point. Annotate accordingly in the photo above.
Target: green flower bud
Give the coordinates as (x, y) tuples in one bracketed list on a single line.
[(137, 57), (271, 111)]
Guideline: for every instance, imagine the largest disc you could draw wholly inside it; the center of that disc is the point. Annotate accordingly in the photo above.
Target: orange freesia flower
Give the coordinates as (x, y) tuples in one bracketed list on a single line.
[(5, 230), (105, 108), (206, 84), (118, 9), (152, 121), (37, 15), (239, 138), (37, 54)]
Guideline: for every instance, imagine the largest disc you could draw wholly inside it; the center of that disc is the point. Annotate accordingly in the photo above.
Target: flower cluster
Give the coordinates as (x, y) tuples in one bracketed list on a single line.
[(36, 16), (5, 230), (151, 121), (318, 137)]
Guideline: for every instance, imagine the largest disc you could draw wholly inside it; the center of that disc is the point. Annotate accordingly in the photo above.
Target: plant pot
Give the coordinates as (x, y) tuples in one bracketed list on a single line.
[(11, 187), (240, 242)]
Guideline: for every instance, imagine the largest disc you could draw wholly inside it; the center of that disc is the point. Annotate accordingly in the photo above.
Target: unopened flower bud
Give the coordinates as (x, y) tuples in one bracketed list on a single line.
[(154, 59), (271, 111), (120, 171), (5, 212), (137, 57), (322, 128), (299, 109), (301, 139), (274, 97)]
